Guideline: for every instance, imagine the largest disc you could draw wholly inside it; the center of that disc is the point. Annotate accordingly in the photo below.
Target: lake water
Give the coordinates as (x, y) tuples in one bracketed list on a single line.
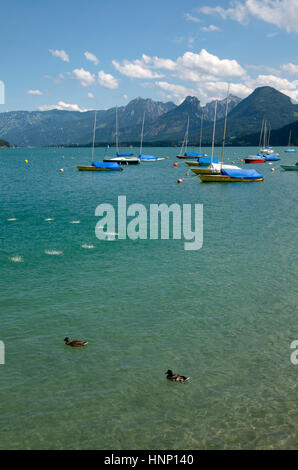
[(225, 315)]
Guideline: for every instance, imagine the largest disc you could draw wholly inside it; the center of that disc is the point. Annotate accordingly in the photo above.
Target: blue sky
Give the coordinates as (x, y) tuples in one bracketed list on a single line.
[(75, 54)]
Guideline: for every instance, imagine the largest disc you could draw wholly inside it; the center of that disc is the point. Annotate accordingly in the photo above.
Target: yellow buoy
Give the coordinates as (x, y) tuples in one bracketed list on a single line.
[(61, 170), (26, 161), (272, 169)]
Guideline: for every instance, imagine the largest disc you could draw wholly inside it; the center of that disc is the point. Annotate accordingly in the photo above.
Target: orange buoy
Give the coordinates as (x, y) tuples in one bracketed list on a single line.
[(175, 164), (167, 158), (179, 181)]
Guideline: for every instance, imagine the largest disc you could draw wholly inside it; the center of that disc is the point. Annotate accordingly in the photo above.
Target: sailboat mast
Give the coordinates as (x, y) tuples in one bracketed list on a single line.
[(94, 128), (117, 145), (269, 133), (142, 133), (264, 138), (225, 126), (261, 134), (289, 143), (186, 136), (212, 151), (202, 118), (185, 140)]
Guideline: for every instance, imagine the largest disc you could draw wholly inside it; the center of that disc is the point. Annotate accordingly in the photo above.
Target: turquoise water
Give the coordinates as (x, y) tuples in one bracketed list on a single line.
[(225, 315)]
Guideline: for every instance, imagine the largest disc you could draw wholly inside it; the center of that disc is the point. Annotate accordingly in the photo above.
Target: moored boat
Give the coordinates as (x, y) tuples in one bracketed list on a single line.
[(215, 168), (100, 166), (290, 167), (289, 143), (202, 161), (121, 158), (255, 159), (233, 176)]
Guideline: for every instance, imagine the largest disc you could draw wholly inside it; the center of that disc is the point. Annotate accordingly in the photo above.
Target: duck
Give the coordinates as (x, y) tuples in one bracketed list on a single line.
[(176, 377), (75, 343)]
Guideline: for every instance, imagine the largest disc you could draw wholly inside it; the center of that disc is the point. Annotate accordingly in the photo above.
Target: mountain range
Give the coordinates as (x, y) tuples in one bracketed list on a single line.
[(165, 123)]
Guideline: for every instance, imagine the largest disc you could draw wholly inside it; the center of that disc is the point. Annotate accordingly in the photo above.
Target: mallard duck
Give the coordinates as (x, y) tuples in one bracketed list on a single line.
[(176, 377), (75, 343)]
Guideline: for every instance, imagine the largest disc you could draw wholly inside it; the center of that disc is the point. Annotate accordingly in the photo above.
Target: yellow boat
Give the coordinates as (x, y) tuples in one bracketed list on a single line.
[(94, 168), (220, 178)]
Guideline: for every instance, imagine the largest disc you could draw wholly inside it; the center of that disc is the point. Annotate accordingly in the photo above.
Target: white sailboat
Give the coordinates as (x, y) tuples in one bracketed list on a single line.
[(216, 167), (289, 149), (142, 157), (121, 158)]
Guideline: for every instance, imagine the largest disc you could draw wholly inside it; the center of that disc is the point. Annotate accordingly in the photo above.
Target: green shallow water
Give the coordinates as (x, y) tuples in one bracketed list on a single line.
[(225, 315)]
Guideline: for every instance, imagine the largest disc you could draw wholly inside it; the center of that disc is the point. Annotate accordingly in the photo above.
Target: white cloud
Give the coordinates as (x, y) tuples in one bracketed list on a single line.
[(35, 92), (177, 91), (91, 96), (281, 13), (56, 79), (91, 57), (125, 97), (85, 78), (135, 69), (273, 81), (190, 17), (107, 80), (62, 106), (210, 28), (61, 54), (159, 63), (290, 68), (211, 64)]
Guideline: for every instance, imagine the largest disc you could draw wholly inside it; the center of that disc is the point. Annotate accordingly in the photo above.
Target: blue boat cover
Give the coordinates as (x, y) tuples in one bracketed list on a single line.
[(147, 157), (124, 154), (192, 154), (272, 158), (290, 150), (240, 173), (112, 165), (195, 154), (207, 160)]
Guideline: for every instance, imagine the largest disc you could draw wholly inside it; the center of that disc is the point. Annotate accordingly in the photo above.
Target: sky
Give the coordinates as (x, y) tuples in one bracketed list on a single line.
[(96, 54)]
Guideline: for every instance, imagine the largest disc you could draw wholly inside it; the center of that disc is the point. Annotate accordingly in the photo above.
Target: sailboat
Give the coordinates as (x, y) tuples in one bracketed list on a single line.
[(215, 167), (98, 166), (122, 158), (146, 158), (290, 167), (289, 144), (203, 159), (184, 145), (227, 173), (265, 154)]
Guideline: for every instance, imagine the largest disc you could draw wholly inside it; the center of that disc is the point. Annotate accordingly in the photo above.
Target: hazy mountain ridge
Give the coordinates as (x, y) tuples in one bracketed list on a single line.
[(164, 122)]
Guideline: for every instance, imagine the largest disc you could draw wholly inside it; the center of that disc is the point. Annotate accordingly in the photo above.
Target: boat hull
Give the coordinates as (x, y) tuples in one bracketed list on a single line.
[(212, 178), (257, 160), (196, 163), (123, 161), (290, 167), (93, 168), (184, 157)]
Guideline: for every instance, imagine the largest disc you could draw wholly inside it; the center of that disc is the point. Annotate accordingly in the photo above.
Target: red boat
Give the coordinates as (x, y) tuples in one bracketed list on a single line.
[(255, 159)]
